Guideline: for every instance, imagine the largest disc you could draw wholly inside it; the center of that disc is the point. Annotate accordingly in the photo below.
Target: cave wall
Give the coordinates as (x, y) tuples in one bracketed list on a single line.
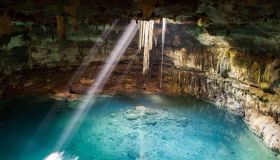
[(31, 46)]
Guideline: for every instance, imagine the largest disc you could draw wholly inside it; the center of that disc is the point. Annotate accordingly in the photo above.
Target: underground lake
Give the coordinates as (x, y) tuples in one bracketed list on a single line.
[(123, 127)]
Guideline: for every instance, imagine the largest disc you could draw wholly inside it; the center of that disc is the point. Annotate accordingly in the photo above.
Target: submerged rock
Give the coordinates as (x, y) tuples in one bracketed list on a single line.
[(151, 121), (183, 122), (132, 154), (147, 114), (151, 112), (141, 108), (112, 115), (132, 114), (151, 117)]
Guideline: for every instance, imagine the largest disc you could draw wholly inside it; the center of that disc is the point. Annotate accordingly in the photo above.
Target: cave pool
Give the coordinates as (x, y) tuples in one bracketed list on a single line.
[(127, 127)]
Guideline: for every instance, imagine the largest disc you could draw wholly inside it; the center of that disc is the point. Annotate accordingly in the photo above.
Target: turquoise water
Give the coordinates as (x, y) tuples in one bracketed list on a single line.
[(160, 128)]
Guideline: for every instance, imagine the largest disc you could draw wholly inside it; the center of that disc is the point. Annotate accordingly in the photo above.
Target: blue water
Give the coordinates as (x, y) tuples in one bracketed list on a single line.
[(162, 128)]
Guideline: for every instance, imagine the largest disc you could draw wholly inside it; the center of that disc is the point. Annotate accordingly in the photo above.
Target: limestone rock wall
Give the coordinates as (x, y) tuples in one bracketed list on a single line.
[(36, 47)]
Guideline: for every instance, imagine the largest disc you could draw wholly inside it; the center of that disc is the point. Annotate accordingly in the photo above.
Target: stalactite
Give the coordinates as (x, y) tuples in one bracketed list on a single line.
[(146, 40), (140, 23), (143, 33), (146, 48), (151, 29), (162, 47), (61, 28)]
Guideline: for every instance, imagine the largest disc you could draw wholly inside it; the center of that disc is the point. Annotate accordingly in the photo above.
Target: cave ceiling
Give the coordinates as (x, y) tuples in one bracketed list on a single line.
[(244, 24)]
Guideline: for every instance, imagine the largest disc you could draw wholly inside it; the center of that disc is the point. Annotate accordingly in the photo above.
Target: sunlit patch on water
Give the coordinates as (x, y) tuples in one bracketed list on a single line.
[(59, 156)]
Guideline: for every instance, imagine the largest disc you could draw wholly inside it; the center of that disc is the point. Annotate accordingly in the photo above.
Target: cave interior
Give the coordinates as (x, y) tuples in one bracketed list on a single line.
[(223, 52)]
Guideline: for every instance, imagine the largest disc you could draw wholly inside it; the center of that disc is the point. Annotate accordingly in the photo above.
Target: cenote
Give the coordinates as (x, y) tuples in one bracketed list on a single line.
[(128, 127), (139, 80)]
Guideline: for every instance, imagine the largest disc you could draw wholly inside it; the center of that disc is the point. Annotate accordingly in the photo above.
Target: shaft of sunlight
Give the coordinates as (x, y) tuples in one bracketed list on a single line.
[(101, 79), (86, 61)]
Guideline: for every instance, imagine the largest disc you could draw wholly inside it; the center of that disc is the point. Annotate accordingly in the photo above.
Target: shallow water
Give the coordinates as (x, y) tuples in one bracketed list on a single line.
[(114, 128)]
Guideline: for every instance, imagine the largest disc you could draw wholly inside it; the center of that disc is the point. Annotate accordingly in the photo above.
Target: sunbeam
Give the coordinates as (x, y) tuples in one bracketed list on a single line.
[(77, 74), (102, 77), (87, 59)]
